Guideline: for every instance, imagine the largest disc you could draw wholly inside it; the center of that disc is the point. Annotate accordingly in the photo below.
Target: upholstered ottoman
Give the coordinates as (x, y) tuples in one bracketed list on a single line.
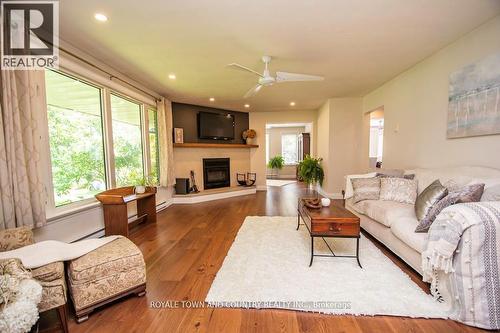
[(110, 272)]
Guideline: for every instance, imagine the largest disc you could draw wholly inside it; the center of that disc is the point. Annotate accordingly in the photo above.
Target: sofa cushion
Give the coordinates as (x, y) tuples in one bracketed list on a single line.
[(365, 189), (49, 272), (120, 255), (386, 212), (404, 229), (398, 189), (358, 207)]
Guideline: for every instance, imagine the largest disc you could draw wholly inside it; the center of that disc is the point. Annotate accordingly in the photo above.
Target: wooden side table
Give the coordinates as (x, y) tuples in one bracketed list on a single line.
[(333, 221), (114, 204)]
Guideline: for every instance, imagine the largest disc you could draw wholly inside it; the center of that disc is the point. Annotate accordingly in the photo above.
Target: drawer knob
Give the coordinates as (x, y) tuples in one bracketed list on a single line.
[(333, 228)]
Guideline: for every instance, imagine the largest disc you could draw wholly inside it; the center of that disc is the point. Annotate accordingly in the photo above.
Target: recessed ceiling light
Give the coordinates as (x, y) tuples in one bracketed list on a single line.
[(212, 99), (292, 103), (247, 105), (171, 76), (100, 17)]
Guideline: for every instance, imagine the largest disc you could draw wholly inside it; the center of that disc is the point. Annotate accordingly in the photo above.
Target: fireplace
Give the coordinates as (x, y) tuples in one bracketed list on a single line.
[(216, 173)]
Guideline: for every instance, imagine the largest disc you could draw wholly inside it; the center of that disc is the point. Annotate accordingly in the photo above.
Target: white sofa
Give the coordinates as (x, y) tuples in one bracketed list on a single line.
[(394, 223)]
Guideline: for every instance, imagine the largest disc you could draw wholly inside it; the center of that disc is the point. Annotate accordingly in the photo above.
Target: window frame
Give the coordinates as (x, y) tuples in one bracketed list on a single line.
[(52, 211)]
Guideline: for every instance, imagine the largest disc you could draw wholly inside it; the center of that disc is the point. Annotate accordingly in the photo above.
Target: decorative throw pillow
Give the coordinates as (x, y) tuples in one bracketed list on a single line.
[(425, 223), (461, 195), (491, 188), (471, 193), (428, 198), (365, 189), (398, 189)]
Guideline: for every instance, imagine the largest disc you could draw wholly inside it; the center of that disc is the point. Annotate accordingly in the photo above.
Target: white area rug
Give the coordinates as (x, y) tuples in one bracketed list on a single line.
[(278, 182), (267, 266)]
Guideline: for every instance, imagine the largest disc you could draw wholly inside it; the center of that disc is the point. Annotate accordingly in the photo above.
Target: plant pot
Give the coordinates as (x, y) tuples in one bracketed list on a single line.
[(139, 189), (250, 141)]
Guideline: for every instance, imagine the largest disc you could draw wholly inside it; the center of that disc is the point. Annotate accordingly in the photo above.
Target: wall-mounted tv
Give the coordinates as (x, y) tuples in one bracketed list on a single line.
[(215, 126)]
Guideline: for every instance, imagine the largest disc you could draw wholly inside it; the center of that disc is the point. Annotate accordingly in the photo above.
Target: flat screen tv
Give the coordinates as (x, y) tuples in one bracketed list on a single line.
[(215, 126)]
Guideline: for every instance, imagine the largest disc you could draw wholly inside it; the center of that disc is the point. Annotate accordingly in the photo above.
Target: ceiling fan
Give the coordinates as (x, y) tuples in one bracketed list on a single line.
[(265, 79)]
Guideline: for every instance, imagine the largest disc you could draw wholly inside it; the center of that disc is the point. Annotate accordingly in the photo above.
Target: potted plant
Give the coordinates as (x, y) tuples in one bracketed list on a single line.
[(276, 163), (144, 182), (249, 135), (311, 171)]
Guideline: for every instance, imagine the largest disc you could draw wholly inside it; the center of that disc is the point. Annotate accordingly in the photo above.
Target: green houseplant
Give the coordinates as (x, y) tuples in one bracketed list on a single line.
[(311, 171), (142, 182), (276, 163)]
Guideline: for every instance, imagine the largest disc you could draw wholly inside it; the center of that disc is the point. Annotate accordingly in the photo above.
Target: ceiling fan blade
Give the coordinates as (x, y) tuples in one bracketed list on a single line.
[(241, 67), (253, 91), (290, 77)]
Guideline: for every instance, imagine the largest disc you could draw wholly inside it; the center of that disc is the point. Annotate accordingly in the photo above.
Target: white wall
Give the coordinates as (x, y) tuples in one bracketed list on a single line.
[(323, 143), (258, 121), (340, 123), (415, 108)]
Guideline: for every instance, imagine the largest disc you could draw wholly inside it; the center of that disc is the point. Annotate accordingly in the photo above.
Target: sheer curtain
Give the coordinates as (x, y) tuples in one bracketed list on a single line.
[(165, 131), (22, 108)]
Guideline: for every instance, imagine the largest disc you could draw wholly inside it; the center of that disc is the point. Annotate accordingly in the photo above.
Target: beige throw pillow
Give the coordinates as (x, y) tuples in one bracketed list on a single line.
[(398, 189), (365, 189)]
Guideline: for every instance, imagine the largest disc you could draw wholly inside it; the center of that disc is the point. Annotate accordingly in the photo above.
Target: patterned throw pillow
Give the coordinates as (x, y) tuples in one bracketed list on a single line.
[(450, 199), (460, 195), (365, 189), (398, 189), (471, 193)]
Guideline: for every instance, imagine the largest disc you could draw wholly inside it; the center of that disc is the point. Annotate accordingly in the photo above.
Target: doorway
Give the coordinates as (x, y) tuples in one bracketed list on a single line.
[(376, 138), (289, 143)]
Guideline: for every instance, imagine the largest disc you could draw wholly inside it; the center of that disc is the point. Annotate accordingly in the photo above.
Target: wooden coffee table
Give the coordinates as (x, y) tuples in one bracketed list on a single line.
[(333, 221)]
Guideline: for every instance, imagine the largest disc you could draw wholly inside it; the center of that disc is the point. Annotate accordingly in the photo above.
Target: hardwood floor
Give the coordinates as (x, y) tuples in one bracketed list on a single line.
[(184, 251)]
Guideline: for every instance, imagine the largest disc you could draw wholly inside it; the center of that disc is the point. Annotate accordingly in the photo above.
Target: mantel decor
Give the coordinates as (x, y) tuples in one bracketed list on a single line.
[(249, 135)]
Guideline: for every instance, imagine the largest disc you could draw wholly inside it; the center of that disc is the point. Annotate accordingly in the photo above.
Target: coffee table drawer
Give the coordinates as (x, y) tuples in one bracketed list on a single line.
[(336, 229)]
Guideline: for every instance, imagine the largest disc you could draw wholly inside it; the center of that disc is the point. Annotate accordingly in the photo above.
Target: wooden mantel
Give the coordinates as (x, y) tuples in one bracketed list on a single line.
[(213, 145)]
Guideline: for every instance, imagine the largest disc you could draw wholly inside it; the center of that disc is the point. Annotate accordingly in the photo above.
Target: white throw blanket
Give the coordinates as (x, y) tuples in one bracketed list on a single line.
[(462, 262), (47, 252)]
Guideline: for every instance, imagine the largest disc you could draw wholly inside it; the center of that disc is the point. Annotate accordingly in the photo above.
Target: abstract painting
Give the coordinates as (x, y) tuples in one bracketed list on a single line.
[(474, 99)]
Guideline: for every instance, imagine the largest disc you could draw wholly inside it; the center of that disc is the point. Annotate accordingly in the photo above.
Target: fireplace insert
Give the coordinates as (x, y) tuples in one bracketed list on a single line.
[(216, 173)]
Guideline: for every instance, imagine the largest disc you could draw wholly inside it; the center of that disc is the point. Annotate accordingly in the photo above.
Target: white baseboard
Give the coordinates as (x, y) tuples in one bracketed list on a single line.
[(165, 205), (210, 197), (329, 195), (262, 188)]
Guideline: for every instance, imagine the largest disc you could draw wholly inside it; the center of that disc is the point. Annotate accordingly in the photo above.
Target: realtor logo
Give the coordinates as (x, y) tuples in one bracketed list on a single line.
[(30, 34)]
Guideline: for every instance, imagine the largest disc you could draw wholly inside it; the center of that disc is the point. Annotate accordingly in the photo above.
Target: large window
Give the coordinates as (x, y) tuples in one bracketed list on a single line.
[(92, 146), (289, 148), (127, 141), (76, 138)]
